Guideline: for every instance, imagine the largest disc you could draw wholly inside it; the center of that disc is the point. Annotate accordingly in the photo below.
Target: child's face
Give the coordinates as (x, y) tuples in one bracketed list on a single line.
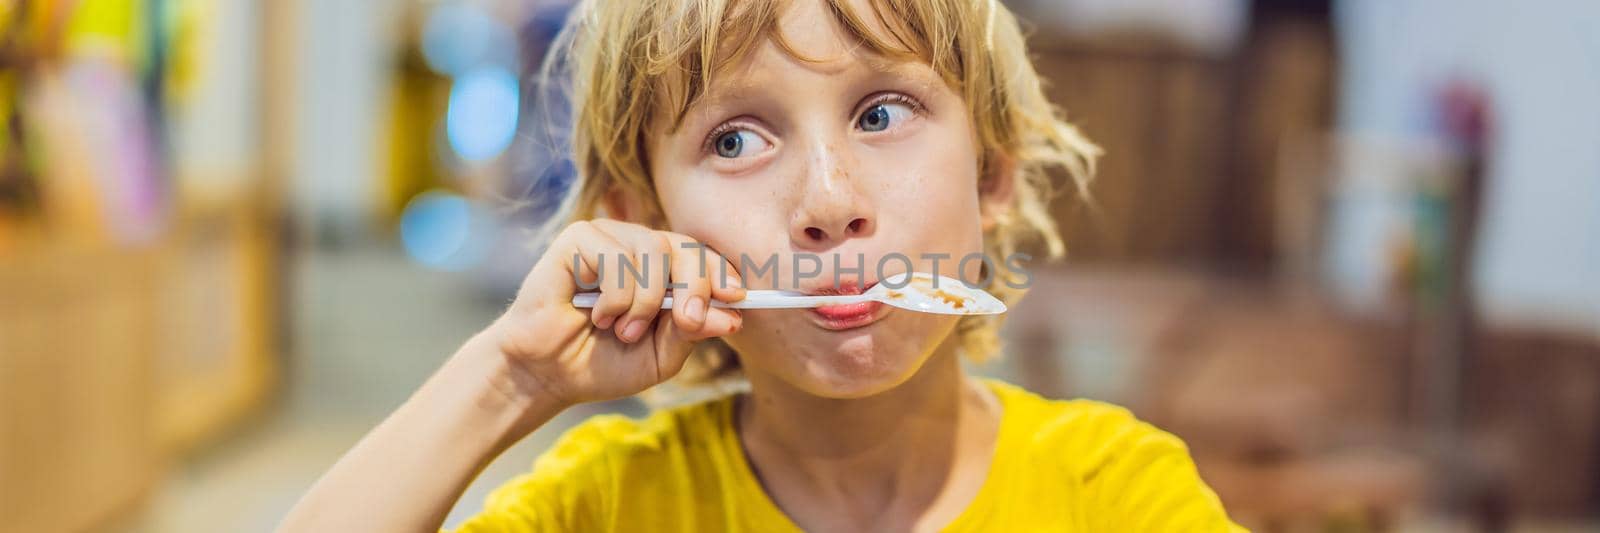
[(856, 154)]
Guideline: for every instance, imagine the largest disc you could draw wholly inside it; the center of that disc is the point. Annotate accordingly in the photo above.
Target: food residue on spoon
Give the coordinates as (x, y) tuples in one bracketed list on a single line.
[(926, 295), (952, 300)]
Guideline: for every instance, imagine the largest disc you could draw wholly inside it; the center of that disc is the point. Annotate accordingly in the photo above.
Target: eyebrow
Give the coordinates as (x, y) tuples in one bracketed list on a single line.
[(725, 94), (881, 63), (730, 89), (743, 87)]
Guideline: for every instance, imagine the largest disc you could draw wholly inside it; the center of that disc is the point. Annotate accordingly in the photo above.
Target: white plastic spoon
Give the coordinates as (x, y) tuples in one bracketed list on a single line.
[(924, 293)]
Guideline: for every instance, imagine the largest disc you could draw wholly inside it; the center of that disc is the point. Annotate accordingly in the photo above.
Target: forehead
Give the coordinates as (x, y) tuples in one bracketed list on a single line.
[(834, 56), (818, 32), (826, 37)]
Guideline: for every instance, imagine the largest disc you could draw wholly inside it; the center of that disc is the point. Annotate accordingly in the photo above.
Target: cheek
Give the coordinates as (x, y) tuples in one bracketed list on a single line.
[(731, 216), (931, 185)]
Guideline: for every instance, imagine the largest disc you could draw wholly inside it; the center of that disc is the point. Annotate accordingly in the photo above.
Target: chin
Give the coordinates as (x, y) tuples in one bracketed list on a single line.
[(860, 362), (859, 367)]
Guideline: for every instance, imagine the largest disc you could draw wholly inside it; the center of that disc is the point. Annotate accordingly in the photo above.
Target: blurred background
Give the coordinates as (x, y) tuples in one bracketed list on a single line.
[(1349, 250)]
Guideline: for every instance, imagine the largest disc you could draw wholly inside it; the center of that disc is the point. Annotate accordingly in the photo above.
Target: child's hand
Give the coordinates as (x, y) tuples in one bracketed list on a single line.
[(626, 343)]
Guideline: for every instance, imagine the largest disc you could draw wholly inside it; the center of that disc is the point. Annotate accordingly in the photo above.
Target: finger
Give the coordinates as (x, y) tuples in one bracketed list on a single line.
[(719, 322), (649, 247), (563, 260), (673, 344), (729, 285), (691, 271), (616, 285)]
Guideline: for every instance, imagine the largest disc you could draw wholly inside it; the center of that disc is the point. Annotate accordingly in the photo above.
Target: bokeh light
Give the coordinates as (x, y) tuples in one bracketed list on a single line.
[(445, 231), (459, 37), (482, 118)]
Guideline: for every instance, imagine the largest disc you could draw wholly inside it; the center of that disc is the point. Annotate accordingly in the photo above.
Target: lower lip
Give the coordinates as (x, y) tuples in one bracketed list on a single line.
[(851, 316)]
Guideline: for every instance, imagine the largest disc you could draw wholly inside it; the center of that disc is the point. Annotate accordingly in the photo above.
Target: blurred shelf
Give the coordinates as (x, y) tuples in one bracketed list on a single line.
[(77, 343), (218, 360), (114, 359)]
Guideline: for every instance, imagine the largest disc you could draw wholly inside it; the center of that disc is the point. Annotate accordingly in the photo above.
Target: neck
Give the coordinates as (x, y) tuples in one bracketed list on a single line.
[(899, 447), (799, 422)]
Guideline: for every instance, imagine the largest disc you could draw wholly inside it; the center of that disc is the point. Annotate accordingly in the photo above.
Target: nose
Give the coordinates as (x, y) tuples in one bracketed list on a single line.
[(832, 209)]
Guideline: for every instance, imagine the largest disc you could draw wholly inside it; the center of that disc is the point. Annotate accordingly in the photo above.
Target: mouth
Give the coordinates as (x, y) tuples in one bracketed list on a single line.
[(848, 316)]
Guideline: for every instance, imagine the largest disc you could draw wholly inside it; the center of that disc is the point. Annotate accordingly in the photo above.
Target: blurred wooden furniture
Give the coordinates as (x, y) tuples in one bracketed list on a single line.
[(1292, 410), (1192, 141), (113, 361), (1302, 417), (218, 357), (1532, 423), (1160, 114), (116, 356), (77, 346)]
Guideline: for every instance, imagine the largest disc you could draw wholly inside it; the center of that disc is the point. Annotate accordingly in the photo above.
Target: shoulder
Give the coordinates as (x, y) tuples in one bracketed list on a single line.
[(612, 440), (1085, 436), (580, 479), (1134, 476), (580, 482)]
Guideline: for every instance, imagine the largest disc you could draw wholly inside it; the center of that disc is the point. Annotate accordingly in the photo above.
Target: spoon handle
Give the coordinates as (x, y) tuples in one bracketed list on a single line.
[(754, 299)]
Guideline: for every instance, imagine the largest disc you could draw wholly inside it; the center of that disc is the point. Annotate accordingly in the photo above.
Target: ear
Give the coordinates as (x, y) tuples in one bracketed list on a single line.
[(997, 189)]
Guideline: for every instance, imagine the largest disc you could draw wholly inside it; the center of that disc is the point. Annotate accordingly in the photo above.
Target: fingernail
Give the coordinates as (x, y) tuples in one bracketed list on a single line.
[(605, 322), (695, 309), (632, 331)]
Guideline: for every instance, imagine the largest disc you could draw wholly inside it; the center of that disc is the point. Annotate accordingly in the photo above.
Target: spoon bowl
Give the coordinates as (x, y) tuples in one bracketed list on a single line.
[(927, 293)]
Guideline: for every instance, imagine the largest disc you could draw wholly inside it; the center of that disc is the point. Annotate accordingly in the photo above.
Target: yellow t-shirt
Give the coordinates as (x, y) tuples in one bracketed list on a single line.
[(1074, 465)]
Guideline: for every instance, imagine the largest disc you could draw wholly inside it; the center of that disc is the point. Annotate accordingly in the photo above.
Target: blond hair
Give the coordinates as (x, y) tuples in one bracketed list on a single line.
[(638, 64)]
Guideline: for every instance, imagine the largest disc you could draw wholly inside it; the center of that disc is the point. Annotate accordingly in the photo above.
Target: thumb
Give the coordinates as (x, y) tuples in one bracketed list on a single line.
[(673, 343)]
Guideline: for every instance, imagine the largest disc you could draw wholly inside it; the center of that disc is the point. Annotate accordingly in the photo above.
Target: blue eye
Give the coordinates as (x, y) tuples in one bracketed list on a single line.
[(729, 144), (733, 144), (875, 119), (883, 116)]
